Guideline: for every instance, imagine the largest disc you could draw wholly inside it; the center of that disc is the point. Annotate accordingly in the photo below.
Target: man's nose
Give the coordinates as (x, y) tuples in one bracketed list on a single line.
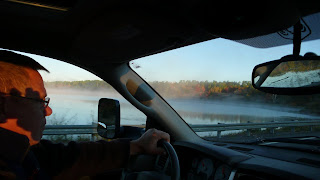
[(48, 111)]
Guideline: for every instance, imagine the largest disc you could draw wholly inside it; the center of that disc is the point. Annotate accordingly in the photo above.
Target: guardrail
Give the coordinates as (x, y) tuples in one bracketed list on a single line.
[(249, 126), (91, 129), (70, 129)]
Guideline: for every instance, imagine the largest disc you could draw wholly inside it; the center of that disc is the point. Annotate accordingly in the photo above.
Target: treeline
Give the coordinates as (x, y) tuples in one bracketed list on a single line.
[(295, 66), (204, 90), (182, 89), (243, 91)]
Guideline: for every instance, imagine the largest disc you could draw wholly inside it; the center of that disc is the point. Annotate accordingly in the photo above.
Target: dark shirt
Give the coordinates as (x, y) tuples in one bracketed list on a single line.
[(48, 160)]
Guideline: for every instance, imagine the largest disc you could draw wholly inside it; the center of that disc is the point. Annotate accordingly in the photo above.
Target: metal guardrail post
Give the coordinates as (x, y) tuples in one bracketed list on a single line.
[(92, 135), (219, 134), (272, 130), (248, 132), (293, 129)]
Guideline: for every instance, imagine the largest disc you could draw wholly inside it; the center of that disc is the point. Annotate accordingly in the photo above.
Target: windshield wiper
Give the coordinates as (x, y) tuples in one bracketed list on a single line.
[(279, 80)]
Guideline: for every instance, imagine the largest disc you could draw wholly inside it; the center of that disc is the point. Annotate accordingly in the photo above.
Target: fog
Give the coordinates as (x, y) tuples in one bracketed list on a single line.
[(70, 91), (217, 111), (71, 106), (80, 107)]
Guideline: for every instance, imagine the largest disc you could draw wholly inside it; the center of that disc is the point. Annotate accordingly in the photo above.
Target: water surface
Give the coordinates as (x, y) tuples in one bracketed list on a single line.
[(83, 109)]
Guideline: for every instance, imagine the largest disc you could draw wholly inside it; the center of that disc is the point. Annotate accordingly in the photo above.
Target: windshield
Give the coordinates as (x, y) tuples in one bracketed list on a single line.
[(209, 85)]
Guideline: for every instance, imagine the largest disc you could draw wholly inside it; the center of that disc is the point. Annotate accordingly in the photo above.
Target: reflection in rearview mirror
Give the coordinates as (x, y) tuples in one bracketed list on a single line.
[(291, 74), (109, 118), (288, 75)]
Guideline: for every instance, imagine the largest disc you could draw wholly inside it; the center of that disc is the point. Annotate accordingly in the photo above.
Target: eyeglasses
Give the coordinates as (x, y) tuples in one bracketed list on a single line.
[(45, 100)]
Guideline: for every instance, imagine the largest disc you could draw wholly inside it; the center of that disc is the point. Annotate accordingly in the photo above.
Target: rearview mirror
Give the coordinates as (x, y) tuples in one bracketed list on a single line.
[(290, 75), (108, 118)]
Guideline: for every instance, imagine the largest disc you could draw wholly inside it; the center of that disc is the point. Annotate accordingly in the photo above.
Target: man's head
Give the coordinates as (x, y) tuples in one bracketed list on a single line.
[(22, 91)]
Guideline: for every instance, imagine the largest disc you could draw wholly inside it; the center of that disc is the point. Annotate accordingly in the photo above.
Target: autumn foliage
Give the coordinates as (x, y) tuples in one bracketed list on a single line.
[(181, 89)]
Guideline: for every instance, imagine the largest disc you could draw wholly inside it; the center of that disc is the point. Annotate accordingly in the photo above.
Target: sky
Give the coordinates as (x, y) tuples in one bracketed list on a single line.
[(218, 59), (61, 71)]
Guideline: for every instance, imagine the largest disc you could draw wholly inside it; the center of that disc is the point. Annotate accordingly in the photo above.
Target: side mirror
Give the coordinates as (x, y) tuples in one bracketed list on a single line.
[(108, 118), (291, 75)]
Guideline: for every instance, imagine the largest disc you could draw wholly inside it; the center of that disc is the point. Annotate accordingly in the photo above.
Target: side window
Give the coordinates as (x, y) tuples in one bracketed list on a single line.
[(74, 95)]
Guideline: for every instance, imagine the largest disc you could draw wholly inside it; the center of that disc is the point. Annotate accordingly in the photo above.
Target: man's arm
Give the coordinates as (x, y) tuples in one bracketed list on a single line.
[(87, 159)]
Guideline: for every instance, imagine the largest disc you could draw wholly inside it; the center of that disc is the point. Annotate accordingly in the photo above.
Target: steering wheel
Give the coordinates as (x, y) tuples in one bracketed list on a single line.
[(140, 174), (175, 169)]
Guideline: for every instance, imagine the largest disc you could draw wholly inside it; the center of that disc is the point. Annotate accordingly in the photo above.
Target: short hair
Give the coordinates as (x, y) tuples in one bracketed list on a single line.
[(13, 74)]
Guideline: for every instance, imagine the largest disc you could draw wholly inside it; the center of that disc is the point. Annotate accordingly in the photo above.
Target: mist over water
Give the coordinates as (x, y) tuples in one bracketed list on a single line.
[(81, 107), (229, 111)]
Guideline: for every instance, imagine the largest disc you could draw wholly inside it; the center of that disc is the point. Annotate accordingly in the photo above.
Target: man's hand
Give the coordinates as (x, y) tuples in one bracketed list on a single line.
[(147, 143)]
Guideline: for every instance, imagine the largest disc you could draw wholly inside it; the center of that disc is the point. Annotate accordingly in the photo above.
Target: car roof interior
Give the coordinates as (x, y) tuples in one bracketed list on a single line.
[(85, 32)]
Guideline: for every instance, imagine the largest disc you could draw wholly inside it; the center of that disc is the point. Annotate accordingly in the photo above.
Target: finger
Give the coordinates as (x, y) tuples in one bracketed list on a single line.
[(163, 135)]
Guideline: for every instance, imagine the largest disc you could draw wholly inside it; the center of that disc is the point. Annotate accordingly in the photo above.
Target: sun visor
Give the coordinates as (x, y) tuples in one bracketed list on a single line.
[(310, 31)]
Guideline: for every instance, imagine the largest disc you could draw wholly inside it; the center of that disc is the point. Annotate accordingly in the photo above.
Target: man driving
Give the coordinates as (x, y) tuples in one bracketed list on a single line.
[(24, 106)]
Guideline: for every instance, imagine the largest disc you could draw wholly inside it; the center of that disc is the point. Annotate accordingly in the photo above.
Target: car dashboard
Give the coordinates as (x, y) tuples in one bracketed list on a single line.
[(220, 161)]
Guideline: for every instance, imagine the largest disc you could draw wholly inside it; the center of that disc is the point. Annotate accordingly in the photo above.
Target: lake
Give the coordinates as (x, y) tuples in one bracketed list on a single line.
[(82, 108)]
